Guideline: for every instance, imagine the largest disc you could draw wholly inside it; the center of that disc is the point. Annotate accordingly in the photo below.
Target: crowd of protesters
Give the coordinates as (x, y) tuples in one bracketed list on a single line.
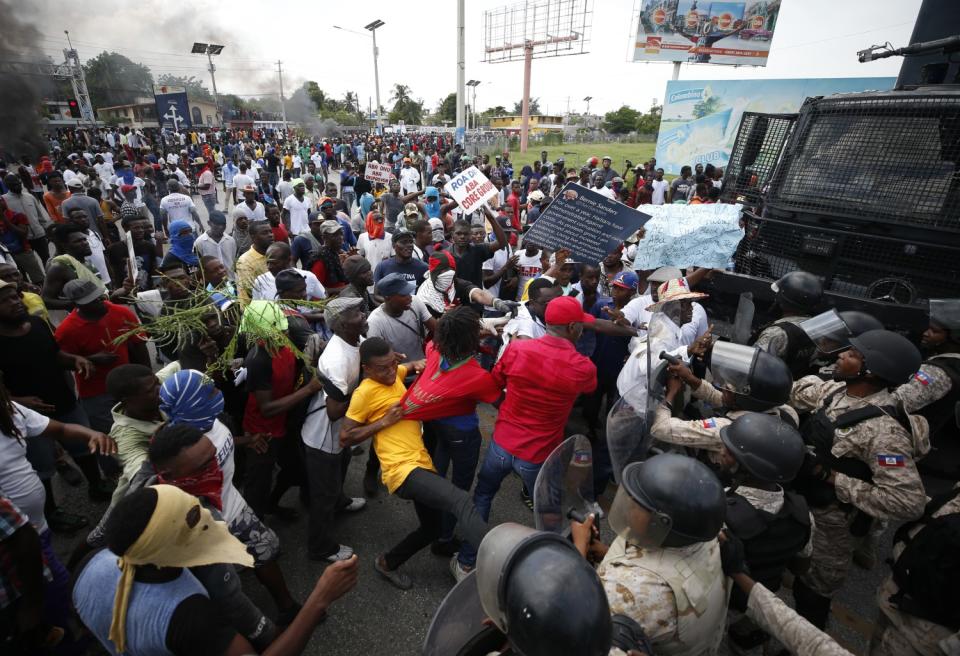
[(192, 363)]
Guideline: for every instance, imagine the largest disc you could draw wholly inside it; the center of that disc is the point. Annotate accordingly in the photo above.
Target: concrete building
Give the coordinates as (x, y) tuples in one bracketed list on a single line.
[(539, 124), (143, 114)]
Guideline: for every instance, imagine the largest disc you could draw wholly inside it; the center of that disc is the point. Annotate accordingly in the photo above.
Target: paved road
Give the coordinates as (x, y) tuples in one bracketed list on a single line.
[(377, 618)]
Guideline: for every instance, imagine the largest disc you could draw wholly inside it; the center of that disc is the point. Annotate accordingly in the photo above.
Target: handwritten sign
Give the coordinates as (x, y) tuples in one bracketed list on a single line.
[(377, 172), (689, 235), (470, 189), (589, 224), (132, 269)]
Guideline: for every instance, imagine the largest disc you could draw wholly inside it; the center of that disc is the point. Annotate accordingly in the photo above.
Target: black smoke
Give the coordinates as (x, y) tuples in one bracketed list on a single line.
[(22, 86)]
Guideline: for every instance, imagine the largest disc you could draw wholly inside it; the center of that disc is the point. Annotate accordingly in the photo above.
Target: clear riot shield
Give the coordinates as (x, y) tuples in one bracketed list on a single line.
[(565, 483), (743, 322), (458, 622)]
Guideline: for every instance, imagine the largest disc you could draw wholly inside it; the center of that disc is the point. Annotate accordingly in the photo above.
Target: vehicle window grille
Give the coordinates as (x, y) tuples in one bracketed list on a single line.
[(756, 151)]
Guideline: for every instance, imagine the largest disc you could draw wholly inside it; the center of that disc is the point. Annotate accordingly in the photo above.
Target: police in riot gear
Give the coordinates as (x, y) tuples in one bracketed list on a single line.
[(864, 448), (799, 294), (745, 378), (763, 453), (830, 333), (663, 569), (934, 390)]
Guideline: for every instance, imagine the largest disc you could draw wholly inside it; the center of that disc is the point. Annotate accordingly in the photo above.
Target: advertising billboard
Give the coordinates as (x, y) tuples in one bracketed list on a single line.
[(173, 109), (701, 117), (702, 32)]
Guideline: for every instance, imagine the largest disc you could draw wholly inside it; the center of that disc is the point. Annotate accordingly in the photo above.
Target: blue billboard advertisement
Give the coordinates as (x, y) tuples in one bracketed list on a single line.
[(701, 117), (173, 109)]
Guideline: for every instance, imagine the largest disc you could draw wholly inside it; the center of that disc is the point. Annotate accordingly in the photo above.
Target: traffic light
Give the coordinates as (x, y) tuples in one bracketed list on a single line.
[(74, 108)]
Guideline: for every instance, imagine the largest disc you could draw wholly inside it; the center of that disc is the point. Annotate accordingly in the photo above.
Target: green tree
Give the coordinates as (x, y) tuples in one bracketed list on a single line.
[(448, 108), (405, 108), (649, 123), (195, 88), (621, 121), (116, 80), (534, 107), (706, 107), (350, 103)]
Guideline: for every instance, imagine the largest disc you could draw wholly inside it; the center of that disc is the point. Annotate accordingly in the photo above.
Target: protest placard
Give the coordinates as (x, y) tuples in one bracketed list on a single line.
[(689, 235), (470, 189), (377, 172), (589, 224)]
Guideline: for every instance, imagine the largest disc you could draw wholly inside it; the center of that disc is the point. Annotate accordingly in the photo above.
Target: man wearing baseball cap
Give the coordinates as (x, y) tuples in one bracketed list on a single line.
[(543, 377)]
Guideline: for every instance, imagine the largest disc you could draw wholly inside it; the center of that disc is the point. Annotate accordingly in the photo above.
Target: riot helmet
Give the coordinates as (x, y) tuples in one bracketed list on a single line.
[(684, 499), (827, 331), (860, 322), (945, 314), (541, 593), (759, 381), (799, 289), (890, 357), (765, 446)]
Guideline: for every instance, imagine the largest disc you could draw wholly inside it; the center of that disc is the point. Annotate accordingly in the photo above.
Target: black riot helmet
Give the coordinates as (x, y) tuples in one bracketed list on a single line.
[(831, 331), (686, 501), (799, 289), (890, 357), (758, 380), (542, 594), (860, 322), (945, 314), (765, 446)]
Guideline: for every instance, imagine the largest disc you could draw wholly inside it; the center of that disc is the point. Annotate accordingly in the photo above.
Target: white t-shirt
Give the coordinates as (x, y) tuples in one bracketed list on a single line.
[(206, 178), (637, 314), (178, 206), (265, 287), (495, 263), (659, 194), (605, 191), (530, 267), (241, 180), (299, 213), (409, 179), (255, 214), (375, 250), (222, 439), (523, 325), (182, 177), (105, 171), (18, 480), (285, 189), (340, 365)]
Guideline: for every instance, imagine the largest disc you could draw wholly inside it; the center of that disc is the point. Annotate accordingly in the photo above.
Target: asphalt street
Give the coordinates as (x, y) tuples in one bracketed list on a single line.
[(376, 618)]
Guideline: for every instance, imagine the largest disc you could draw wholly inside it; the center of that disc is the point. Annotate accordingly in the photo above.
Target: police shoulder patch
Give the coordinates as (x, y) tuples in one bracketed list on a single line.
[(709, 423), (885, 460), (923, 377)]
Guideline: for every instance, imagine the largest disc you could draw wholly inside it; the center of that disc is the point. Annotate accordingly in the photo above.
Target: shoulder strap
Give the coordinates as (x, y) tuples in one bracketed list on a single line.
[(787, 418), (743, 519), (949, 364), (853, 417)]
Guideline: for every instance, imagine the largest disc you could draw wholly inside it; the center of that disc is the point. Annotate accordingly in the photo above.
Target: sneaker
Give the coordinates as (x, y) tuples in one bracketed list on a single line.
[(356, 503), (69, 473), (60, 521), (344, 553), (445, 548), (525, 497), (370, 484), (458, 571), (396, 578)]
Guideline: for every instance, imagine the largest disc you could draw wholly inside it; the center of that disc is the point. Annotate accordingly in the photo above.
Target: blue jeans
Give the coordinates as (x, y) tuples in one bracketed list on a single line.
[(461, 447), (349, 198), (497, 465)]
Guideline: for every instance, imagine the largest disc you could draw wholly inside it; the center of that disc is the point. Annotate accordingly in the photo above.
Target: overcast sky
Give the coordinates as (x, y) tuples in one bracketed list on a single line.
[(814, 38)]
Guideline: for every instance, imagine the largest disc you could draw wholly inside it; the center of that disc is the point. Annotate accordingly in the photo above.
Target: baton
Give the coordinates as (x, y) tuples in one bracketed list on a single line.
[(672, 359)]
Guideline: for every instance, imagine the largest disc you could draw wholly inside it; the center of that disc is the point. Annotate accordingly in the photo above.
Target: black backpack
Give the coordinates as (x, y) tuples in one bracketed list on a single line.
[(928, 571)]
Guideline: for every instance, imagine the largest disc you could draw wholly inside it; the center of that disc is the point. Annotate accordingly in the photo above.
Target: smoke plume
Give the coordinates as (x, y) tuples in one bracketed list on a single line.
[(21, 86)]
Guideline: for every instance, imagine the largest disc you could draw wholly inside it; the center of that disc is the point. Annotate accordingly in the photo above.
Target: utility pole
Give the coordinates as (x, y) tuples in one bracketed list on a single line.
[(461, 91), (283, 105), (79, 83), (376, 69), (213, 81)]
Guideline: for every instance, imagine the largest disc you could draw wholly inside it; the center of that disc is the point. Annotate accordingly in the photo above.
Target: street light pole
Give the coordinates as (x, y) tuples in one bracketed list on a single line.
[(473, 103), (210, 49), (376, 72)]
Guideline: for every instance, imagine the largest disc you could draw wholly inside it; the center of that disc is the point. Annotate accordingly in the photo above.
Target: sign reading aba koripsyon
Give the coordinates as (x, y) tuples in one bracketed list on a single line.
[(173, 108), (589, 224)]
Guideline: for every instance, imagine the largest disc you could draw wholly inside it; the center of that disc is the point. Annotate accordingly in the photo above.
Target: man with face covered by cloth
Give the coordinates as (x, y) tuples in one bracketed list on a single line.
[(158, 605), (442, 288)]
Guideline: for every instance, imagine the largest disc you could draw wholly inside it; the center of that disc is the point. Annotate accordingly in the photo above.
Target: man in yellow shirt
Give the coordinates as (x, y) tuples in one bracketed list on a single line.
[(407, 468), (254, 261)]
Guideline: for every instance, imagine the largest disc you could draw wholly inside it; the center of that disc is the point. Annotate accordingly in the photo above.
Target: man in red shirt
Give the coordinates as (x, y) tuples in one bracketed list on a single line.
[(513, 200), (543, 377), (90, 331)]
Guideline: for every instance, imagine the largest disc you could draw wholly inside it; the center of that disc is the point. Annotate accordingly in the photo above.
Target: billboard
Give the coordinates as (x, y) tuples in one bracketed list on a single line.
[(701, 117), (173, 109), (735, 33)]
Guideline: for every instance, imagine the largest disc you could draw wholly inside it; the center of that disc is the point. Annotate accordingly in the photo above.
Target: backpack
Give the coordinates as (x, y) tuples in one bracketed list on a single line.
[(927, 573)]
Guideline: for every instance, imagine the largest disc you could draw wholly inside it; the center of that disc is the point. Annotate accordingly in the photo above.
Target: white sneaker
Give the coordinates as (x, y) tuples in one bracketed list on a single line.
[(457, 570), (345, 553), (356, 503)]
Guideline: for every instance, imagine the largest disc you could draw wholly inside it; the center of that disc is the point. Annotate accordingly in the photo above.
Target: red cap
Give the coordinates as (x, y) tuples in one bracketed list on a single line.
[(125, 188), (443, 260), (566, 309)]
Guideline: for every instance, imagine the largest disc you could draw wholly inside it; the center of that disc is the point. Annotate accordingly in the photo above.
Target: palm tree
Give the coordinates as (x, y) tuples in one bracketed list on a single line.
[(400, 93), (351, 103)]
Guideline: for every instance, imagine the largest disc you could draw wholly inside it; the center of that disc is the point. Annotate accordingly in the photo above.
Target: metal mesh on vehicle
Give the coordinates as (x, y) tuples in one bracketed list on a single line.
[(887, 158), (756, 152), (850, 263)]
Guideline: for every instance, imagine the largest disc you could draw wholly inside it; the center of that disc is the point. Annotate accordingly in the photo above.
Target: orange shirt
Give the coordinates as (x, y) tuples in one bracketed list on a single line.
[(52, 202)]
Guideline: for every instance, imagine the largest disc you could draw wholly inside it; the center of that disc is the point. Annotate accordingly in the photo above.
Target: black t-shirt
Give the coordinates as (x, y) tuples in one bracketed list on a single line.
[(470, 263), (259, 366), (197, 628), (362, 186), (30, 367)]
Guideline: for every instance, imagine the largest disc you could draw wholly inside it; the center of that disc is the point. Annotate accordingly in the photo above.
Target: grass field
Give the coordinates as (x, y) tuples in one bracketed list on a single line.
[(576, 155)]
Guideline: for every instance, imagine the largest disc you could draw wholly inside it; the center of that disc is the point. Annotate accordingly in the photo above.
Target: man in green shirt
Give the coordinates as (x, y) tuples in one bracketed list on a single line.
[(136, 418)]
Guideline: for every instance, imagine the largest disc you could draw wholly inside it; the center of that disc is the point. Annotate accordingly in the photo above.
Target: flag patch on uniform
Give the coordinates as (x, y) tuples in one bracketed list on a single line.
[(923, 377), (582, 457), (891, 461), (709, 423)]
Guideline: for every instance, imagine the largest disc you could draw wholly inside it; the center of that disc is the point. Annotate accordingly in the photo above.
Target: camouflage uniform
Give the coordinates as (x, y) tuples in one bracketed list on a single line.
[(896, 491), (928, 385), (636, 589), (700, 433), (783, 623), (774, 340), (900, 634)]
